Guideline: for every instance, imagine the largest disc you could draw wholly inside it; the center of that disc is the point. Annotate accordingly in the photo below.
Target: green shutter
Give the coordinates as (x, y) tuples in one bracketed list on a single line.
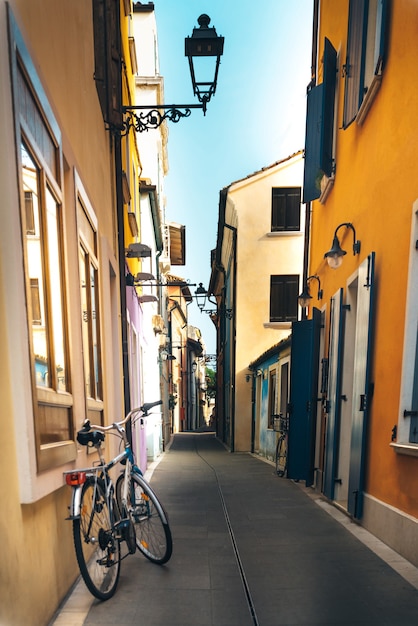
[(328, 104), (313, 172)]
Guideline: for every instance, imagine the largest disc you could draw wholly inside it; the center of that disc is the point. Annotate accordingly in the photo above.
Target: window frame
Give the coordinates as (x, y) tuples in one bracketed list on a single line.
[(363, 68), (90, 248), (291, 219), (272, 395), (45, 401), (408, 400)]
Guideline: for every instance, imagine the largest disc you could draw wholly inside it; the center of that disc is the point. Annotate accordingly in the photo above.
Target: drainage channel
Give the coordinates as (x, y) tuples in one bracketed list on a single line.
[(241, 570)]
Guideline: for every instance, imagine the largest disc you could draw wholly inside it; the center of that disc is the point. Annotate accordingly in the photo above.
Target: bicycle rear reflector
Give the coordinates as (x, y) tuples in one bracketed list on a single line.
[(75, 478)]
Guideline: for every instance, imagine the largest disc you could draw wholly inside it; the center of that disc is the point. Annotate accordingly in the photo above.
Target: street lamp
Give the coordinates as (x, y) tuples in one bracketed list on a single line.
[(203, 44)]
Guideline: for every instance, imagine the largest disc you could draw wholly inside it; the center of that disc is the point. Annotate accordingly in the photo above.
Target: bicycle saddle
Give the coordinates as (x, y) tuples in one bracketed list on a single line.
[(89, 437)]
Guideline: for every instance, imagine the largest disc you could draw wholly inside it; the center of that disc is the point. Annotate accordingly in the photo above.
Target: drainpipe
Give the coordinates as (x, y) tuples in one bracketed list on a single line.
[(122, 280), (234, 327), (308, 204)]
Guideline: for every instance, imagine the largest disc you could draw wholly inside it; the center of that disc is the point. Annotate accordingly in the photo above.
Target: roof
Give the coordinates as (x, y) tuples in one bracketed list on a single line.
[(276, 349), (266, 168)]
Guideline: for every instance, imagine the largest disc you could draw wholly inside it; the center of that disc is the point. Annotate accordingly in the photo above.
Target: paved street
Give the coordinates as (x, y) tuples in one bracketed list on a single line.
[(252, 549)]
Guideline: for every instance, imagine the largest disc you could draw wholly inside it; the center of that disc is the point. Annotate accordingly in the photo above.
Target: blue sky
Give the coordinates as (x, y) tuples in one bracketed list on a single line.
[(256, 117)]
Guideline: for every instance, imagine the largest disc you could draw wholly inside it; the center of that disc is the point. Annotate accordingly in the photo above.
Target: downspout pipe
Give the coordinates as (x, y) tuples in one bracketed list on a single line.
[(122, 279), (234, 330), (308, 207)]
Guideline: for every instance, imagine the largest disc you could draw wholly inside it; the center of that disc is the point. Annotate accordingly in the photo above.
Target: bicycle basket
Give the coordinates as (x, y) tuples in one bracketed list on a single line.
[(280, 423)]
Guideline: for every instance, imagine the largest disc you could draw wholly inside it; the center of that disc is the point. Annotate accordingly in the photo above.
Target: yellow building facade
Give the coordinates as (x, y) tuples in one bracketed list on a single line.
[(360, 181), (60, 260)]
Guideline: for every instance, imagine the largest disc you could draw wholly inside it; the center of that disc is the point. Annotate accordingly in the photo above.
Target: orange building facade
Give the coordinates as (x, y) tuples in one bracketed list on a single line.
[(362, 189)]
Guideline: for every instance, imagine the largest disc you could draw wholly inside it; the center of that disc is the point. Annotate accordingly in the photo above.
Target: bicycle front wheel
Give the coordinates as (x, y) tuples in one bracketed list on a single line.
[(153, 534), (281, 456), (97, 550)]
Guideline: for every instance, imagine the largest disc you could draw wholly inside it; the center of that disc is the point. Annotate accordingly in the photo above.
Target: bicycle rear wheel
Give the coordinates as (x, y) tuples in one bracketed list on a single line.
[(281, 456), (153, 534), (97, 550)]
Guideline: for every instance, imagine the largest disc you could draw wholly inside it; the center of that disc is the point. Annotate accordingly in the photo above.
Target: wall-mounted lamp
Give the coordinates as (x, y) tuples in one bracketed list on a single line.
[(137, 251), (305, 297), (166, 356), (334, 256), (147, 298), (204, 42), (201, 295)]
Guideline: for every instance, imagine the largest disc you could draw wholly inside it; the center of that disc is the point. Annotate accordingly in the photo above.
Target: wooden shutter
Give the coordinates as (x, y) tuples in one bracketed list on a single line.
[(328, 104), (303, 398), (362, 387), (313, 173), (333, 395), (284, 291), (285, 209)]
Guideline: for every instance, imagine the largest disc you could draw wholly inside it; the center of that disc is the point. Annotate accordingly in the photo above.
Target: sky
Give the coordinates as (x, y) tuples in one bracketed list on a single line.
[(255, 118)]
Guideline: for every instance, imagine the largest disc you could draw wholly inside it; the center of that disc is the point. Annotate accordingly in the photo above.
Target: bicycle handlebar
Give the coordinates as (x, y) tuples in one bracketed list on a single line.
[(143, 409)]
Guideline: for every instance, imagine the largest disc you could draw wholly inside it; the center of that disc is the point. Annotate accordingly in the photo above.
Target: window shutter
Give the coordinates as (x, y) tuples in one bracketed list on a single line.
[(99, 31), (107, 60), (285, 209), (312, 172), (284, 291), (357, 25), (293, 210), (328, 104)]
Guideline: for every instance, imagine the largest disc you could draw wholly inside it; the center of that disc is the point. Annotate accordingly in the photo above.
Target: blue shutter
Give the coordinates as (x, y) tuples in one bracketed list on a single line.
[(333, 395), (362, 387), (354, 66), (313, 172), (328, 105), (303, 398)]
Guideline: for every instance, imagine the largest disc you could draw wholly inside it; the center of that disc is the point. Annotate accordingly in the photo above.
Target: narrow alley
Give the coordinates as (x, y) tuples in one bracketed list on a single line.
[(250, 549)]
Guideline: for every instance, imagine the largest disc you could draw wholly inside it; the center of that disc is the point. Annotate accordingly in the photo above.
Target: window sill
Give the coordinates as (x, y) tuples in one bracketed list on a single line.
[(327, 183), (283, 325), (284, 233), (368, 99), (409, 449)]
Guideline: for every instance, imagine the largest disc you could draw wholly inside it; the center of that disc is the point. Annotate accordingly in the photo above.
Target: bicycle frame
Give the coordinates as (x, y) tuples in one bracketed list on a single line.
[(77, 478)]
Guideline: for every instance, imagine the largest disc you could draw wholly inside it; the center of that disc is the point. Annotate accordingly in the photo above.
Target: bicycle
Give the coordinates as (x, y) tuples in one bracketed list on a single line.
[(281, 425), (104, 515)]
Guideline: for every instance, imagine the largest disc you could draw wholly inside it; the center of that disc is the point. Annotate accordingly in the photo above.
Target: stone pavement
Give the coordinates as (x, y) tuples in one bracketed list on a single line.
[(251, 549)]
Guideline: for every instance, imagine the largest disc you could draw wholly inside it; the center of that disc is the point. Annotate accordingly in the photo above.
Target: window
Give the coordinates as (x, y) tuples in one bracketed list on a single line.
[(365, 53), (284, 387), (284, 291), (39, 157), (285, 209), (272, 397), (90, 314)]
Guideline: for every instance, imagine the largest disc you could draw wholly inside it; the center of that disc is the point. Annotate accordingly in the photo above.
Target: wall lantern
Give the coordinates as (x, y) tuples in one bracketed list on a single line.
[(305, 297), (201, 295), (334, 256), (204, 44), (137, 251)]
